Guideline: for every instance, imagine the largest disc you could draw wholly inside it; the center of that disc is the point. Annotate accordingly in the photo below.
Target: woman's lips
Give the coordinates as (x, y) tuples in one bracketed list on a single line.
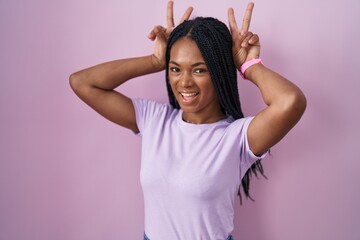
[(188, 97)]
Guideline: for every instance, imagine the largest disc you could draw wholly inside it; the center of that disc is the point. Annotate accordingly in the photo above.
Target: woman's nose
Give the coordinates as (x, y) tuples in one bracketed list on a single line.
[(186, 80)]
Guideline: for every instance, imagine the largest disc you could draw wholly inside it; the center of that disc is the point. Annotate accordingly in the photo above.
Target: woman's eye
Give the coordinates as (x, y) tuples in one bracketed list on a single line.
[(174, 69), (200, 70)]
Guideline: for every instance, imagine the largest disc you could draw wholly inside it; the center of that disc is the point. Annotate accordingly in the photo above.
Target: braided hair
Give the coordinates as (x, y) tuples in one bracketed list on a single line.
[(214, 41)]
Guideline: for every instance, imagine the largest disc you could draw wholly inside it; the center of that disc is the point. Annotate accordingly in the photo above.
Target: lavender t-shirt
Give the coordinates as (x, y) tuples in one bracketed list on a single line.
[(190, 173)]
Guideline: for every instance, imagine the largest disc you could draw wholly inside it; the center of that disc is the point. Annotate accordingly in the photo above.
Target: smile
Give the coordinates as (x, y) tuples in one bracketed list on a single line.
[(188, 97)]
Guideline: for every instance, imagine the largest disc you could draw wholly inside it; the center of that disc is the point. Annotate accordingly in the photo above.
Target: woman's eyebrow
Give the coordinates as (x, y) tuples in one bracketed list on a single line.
[(193, 65), (175, 63)]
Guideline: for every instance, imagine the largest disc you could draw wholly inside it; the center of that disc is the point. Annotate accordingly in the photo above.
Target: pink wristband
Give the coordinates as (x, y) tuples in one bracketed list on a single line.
[(248, 64)]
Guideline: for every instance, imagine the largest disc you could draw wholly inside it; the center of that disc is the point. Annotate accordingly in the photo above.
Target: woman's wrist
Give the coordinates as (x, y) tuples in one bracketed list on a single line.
[(255, 73), (156, 63), (245, 67)]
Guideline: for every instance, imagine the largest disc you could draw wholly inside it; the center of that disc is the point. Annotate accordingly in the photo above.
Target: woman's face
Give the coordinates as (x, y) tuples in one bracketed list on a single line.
[(191, 83)]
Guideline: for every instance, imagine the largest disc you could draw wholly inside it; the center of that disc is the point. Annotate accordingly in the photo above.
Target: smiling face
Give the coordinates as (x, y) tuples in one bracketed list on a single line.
[(191, 83)]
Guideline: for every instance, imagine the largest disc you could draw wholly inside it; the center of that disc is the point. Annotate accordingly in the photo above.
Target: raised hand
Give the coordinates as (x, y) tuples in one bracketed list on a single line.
[(161, 34), (246, 45)]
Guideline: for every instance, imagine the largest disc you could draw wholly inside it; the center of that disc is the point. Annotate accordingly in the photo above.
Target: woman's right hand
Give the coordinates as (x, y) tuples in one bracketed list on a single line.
[(160, 35)]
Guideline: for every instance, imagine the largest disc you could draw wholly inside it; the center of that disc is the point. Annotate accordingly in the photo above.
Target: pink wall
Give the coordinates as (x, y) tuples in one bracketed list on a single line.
[(66, 173)]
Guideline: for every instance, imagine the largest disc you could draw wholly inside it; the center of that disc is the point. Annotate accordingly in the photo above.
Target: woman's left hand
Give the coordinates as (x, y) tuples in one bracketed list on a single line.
[(246, 45)]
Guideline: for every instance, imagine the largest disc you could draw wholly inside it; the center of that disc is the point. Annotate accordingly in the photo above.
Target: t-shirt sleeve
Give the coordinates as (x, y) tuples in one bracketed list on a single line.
[(247, 157), (146, 112)]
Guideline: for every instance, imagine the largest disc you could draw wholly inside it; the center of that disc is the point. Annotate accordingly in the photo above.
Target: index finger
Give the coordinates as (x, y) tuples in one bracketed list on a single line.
[(247, 18), (170, 14)]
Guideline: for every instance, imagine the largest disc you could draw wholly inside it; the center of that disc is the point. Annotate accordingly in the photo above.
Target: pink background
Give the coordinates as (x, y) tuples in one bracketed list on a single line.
[(66, 173)]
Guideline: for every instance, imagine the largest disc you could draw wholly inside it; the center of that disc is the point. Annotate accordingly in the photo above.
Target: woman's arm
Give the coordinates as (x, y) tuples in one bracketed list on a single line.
[(285, 105), (95, 85), (285, 101)]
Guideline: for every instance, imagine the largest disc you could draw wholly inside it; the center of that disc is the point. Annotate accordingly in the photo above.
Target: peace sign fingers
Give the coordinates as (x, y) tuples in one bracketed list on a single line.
[(170, 15), (246, 20), (246, 45), (170, 20)]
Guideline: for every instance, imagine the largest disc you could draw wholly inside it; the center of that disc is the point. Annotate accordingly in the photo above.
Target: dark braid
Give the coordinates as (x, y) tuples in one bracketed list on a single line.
[(214, 41)]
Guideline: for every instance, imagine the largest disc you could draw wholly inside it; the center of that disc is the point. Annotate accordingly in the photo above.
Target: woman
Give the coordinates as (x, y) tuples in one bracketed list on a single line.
[(199, 149)]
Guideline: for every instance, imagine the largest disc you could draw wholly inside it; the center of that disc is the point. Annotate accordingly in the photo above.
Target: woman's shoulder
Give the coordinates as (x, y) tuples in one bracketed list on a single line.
[(152, 108), (152, 104), (240, 124)]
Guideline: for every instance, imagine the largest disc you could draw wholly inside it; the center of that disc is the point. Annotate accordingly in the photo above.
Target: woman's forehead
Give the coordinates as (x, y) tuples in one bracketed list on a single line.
[(185, 50)]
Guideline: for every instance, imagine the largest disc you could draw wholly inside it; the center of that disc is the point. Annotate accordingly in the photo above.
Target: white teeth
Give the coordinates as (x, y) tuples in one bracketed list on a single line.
[(188, 94)]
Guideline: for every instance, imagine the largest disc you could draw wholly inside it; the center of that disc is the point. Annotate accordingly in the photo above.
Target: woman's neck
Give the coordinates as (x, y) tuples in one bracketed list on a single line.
[(198, 119)]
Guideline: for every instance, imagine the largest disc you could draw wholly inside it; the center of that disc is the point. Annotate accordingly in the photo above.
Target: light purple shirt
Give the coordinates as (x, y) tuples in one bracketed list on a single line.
[(190, 173)]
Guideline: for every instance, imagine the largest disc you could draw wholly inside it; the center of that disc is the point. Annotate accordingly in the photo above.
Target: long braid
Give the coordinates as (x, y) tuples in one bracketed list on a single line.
[(215, 44)]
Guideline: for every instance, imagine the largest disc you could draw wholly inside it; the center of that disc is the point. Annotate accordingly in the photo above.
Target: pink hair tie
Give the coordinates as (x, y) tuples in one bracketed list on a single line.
[(248, 64)]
